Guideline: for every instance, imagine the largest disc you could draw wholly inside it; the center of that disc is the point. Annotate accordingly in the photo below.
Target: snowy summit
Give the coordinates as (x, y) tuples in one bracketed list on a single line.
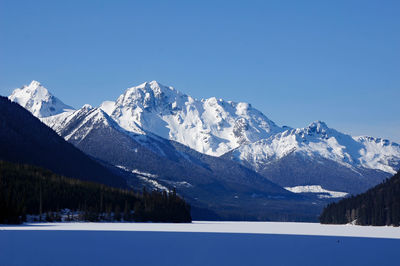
[(211, 126), (38, 100), (317, 140)]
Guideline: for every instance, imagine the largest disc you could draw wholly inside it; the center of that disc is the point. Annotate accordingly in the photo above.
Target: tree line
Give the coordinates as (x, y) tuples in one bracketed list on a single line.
[(29, 190), (378, 206)]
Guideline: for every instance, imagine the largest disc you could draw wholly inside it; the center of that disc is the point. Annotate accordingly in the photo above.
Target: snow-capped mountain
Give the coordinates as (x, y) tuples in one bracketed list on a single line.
[(320, 155), (314, 155), (157, 163), (211, 126), (38, 100), (318, 139), (94, 132)]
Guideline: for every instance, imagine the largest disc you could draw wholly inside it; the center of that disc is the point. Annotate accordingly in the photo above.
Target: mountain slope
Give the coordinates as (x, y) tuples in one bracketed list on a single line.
[(24, 139), (21, 185), (378, 206), (319, 155), (208, 126), (205, 181), (318, 139)]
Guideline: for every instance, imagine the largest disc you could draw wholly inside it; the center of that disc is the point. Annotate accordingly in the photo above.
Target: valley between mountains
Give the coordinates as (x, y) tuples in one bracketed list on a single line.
[(227, 159)]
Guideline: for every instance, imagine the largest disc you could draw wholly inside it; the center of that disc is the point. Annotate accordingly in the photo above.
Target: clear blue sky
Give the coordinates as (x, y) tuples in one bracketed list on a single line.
[(296, 61)]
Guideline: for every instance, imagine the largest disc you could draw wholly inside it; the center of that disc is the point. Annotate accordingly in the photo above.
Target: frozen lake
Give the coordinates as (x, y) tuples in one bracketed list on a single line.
[(200, 243)]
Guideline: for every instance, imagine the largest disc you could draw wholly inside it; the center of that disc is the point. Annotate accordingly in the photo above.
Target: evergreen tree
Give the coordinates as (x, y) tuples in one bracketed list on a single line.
[(378, 206), (31, 190)]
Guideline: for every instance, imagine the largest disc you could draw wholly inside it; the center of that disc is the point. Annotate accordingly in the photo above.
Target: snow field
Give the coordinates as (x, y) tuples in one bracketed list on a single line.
[(283, 228), (199, 243)]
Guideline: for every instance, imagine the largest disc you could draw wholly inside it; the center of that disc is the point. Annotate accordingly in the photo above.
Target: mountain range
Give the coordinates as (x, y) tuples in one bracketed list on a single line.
[(222, 156)]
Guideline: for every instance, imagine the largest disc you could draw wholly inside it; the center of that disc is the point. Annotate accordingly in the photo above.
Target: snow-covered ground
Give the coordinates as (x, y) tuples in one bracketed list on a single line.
[(312, 229), (317, 190), (199, 243)]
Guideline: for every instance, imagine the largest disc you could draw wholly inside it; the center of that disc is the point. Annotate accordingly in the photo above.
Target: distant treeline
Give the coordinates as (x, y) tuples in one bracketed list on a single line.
[(378, 206), (29, 190)]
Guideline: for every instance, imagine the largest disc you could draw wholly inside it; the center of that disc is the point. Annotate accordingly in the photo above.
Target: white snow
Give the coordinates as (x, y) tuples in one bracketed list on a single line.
[(107, 106), (147, 177), (318, 140), (136, 171), (286, 228), (209, 126), (59, 121), (153, 183), (89, 118), (199, 243), (38, 100), (178, 183), (317, 189), (378, 153)]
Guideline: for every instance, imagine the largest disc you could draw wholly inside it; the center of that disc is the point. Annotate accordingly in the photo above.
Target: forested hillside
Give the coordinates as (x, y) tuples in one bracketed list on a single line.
[(24, 139), (29, 190), (378, 206)]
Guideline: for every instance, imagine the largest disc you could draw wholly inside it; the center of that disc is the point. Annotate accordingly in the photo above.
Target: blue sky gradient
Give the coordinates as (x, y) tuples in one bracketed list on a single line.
[(296, 61)]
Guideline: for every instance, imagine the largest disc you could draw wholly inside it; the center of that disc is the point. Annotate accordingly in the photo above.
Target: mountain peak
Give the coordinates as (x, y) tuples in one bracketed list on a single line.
[(212, 126), (87, 106), (34, 83), (35, 89), (318, 123), (149, 95), (159, 88), (151, 85), (318, 127), (38, 100), (155, 83)]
